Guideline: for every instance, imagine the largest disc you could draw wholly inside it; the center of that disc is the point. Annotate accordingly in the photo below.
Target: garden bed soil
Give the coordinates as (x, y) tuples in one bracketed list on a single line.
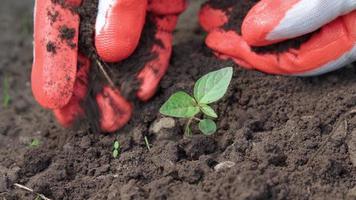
[(286, 137)]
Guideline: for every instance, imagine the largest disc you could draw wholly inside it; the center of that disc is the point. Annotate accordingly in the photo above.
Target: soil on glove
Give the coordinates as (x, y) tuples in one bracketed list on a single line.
[(123, 74), (237, 10), (278, 137), (129, 67)]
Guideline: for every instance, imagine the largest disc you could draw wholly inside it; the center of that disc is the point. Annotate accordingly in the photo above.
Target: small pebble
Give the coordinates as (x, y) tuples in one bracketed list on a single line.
[(163, 123), (223, 166)]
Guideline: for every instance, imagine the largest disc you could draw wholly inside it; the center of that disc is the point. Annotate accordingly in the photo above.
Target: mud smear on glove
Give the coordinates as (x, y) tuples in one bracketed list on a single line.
[(123, 74), (237, 10)]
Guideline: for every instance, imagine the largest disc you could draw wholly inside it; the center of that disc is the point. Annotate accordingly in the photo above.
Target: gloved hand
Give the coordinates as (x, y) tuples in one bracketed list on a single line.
[(332, 44), (60, 74)]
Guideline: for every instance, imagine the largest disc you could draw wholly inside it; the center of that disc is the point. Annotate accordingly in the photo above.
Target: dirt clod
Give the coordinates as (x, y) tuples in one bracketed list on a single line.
[(163, 123), (224, 165), (51, 47)]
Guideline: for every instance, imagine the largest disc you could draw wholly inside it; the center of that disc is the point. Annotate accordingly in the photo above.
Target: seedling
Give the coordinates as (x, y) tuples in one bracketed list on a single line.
[(116, 149), (6, 95), (208, 89), (35, 143), (38, 197), (147, 144)]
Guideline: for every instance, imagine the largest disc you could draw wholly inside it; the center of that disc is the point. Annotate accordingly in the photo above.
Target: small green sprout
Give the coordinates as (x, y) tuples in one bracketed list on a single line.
[(35, 143), (147, 144), (6, 95), (116, 149), (208, 89)]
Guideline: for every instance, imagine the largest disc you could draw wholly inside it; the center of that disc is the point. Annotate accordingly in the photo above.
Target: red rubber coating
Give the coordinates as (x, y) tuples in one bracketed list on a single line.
[(211, 18), (55, 60), (167, 7), (327, 45), (120, 27), (73, 110), (154, 70), (115, 111), (73, 3)]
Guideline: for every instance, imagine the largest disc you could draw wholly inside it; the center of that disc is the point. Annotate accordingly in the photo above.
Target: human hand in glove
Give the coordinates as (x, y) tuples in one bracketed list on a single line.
[(332, 43), (60, 75)]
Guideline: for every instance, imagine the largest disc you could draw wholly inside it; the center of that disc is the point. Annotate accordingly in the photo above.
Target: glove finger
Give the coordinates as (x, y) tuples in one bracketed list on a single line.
[(73, 111), (119, 24), (164, 7), (154, 70), (271, 21), (329, 49), (211, 18), (55, 38), (165, 19), (139, 75), (115, 111)]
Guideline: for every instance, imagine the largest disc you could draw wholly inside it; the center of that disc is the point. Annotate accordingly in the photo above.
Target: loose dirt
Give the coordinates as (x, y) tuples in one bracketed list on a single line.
[(287, 137)]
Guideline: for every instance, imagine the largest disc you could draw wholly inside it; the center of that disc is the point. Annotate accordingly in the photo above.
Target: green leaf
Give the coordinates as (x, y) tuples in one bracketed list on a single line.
[(207, 126), (213, 86), (38, 197), (115, 153), (207, 110), (116, 145), (35, 143), (147, 144), (180, 104)]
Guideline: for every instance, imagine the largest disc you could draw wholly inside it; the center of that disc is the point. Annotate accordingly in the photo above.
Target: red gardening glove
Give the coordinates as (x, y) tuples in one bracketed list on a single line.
[(331, 46), (60, 74)]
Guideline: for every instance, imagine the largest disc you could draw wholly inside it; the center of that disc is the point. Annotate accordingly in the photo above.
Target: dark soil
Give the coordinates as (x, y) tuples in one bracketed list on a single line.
[(237, 10), (289, 138)]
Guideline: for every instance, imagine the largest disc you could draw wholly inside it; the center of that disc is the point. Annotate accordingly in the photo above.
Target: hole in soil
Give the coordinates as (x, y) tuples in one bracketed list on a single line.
[(211, 163), (279, 161)]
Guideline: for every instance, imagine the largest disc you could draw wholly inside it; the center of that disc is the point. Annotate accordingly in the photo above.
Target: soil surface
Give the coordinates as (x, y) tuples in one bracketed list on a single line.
[(278, 138)]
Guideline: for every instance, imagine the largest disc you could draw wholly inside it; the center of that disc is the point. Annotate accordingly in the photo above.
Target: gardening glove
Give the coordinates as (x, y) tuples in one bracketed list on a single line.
[(60, 75), (331, 46)]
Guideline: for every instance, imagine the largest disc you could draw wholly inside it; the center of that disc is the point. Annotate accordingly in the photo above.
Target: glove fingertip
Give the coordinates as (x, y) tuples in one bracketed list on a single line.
[(72, 111), (119, 24), (154, 70), (260, 21), (164, 7), (52, 78), (210, 18), (115, 111)]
